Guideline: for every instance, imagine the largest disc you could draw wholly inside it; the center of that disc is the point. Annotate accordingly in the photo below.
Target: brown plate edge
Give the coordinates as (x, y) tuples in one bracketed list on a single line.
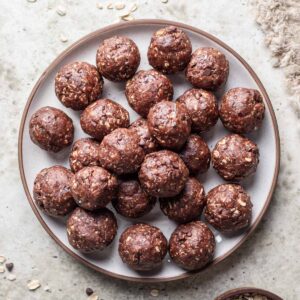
[(118, 26), (239, 291)]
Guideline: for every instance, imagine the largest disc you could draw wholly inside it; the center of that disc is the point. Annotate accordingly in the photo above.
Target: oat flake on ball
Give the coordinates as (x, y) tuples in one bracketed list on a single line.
[(78, 84), (170, 50), (118, 58), (147, 88)]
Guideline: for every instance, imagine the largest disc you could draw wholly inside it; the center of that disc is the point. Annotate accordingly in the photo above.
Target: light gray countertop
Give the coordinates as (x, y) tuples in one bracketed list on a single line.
[(30, 38)]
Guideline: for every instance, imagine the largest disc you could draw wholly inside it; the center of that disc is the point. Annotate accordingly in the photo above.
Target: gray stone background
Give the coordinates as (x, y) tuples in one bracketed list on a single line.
[(31, 37)]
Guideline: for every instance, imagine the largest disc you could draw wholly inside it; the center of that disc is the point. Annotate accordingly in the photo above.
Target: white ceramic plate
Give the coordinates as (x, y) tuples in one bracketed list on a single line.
[(32, 159)]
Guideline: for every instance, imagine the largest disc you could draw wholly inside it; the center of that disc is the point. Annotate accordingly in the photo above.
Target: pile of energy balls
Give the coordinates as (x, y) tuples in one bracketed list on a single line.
[(156, 158)]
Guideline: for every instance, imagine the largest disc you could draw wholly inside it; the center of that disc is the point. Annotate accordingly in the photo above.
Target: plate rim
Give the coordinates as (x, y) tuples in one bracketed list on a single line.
[(99, 32)]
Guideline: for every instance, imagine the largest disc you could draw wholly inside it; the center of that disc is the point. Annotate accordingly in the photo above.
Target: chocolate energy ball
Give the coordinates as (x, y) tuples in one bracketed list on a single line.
[(170, 123), (142, 247), (132, 201), (78, 84), (146, 89), (118, 58), (147, 141), (120, 152), (163, 174), (208, 69), (188, 205), (196, 154), (202, 107), (235, 157), (170, 50), (242, 110), (102, 117), (84, 153), (94, 187), (51, 191), (192, 245), (90, 231), (228, 208), (51, 129)]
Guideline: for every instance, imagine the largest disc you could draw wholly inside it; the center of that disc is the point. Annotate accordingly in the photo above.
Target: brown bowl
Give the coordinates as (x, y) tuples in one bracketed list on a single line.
[(242, 291)]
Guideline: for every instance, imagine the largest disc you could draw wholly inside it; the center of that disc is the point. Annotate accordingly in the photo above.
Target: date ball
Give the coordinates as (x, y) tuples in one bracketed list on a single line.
[(102, 117), (202, 107), (188, 205), (90, 231), (84, 153), (78, 84), (120, 152), (170, 124), (242, 110), (170, 50), (228, 208), (118, 58), (147, 141), (51, 191), (192, 245), (51, 129), (235, 157), (196, 154), (146, 89), (132, 201), (93, 187), (142, 247), (208, 69), (163, 174)]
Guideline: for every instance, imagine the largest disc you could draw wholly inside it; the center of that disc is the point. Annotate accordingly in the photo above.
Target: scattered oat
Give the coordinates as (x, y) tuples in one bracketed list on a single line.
[(133, 8), (109, 6), (127, 17), (164, 1), (154, 293), (11, 277), (33, 285), (2, 270), (99, 6), (89, 291), (93, 297), (61, 10), (47, 289), (63, 38), (9, 266), (119, 6), (2, 259)]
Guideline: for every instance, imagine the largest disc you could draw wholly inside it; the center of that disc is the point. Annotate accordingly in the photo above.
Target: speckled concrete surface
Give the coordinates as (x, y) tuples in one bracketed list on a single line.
[(30, 39)]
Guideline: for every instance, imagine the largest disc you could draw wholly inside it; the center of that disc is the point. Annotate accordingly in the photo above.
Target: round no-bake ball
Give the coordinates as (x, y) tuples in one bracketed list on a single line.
[(102, 117), (147, 141), (208, 69), (170, 124), (51, 129), (146, 89), (51, 191), (188, 205), (132, 201), (228, 208), (120, 152), (192, 245), (142, 247), (90, 231), (163, 174), (78, 84), (242, 110), (118, 58), (196, 154), (94, 187), (235, 157), (84, 153), (170, 50), (202, 107)]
